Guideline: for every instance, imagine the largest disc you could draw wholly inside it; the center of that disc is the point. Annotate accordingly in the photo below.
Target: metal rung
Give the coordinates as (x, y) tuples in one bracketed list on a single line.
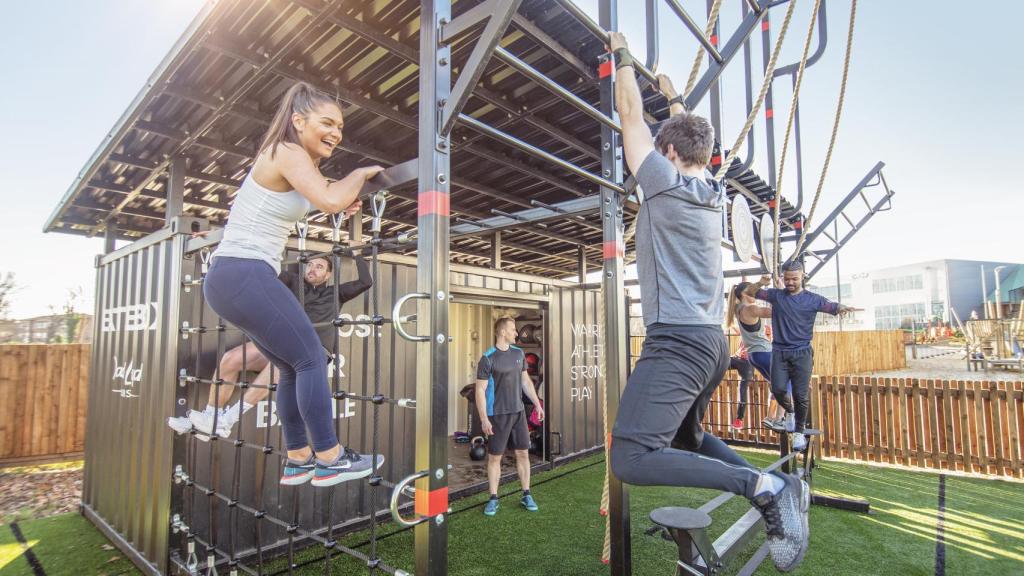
[(865, 199), (517, 218), (493, 132), (843, 214), (555, 88)]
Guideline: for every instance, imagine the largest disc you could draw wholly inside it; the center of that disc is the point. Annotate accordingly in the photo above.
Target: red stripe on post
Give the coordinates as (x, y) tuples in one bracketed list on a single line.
[(613, 249), (604, 70), (771, 203), (769, 113), (432, 503), (714, 40), (797, 225), (434, 202), (716, 160), (764, 26)]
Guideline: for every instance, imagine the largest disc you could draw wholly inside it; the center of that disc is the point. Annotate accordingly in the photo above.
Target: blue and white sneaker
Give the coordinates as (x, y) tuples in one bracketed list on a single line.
[(491, 508), (799, 442), (528, 502), (297, 474), (785, 522), (350, 466)]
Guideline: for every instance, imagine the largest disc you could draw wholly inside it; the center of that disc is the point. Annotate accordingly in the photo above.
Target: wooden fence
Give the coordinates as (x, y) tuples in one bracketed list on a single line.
[(971, 426), (43, 392), (840, 352)]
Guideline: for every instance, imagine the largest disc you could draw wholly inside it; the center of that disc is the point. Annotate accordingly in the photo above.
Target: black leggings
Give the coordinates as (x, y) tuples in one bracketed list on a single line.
[(247, 293), (746, 372)]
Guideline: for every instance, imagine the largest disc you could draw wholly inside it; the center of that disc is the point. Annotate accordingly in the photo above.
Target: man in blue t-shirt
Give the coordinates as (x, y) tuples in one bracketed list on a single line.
[(501, 381), (793, 312)]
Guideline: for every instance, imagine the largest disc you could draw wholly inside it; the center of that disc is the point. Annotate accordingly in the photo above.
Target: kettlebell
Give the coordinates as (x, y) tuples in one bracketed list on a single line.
[(478, 448)]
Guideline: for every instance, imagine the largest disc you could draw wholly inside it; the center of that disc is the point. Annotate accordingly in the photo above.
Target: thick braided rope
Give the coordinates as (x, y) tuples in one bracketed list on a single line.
[(793, 103), (738, 145), (691, 82), (606, 552), (835, 127)]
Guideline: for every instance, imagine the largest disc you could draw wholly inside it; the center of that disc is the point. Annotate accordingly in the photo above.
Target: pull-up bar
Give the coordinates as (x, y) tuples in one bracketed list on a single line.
[(602, 35), (557, 89), (479, 126)]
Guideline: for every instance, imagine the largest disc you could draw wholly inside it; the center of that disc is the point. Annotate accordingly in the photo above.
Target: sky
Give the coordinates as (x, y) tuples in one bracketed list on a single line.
[(928, 94)]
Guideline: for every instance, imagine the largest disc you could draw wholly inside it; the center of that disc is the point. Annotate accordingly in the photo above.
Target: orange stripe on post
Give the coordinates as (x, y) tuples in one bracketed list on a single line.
[(604, 70), (771, 203), (714, 40), (764, 26), (769, 112), (716, 160), (432, 503), (613, 249), (434, 202), (797, 224)]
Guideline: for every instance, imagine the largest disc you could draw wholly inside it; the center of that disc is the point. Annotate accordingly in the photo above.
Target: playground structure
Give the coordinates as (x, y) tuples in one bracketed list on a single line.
[(995, 343)]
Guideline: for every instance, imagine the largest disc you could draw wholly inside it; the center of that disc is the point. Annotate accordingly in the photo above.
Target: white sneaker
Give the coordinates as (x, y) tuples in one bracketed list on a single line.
[(180, 424), (203, 421), (799, 442), (790, 422)]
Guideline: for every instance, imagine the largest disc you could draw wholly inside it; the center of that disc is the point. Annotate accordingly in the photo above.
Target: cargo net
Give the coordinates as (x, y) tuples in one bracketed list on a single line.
[(233, 516)]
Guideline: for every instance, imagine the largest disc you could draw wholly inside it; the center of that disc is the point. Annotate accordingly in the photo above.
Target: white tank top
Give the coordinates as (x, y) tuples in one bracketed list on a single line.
[(260, 222)]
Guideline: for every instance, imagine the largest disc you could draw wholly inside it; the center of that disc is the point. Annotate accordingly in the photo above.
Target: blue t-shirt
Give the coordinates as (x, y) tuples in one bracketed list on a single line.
[(503, 370), (793, 316)]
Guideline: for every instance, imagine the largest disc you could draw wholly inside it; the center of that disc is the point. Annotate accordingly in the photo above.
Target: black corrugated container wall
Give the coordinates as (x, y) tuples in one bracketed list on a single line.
[(128, 454), (131, 454)]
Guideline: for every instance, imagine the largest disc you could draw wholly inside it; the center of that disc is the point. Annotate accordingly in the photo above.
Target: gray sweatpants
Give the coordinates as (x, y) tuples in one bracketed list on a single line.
[(657, 439)]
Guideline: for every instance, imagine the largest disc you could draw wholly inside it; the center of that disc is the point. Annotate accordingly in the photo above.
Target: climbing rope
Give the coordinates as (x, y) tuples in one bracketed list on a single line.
[(691, 82), (835, 126), (606, 552), (793, 103)]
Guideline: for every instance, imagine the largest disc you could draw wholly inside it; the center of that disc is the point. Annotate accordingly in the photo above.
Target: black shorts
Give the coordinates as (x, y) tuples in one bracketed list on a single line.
[(509, 430)]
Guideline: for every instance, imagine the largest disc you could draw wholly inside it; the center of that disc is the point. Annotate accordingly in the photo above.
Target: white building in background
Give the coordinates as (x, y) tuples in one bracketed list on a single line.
[(893, 297)]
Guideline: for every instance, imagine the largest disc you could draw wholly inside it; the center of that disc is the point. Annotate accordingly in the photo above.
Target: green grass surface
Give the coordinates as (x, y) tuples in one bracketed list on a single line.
[(66, 544), (984, 530)]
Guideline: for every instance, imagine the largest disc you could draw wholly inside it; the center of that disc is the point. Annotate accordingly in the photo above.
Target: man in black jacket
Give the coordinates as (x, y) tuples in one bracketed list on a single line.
[(318, 302)]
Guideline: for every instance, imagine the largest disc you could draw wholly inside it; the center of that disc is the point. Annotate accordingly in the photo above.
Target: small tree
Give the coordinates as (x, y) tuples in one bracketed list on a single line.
[(8, 286), (72, 318)]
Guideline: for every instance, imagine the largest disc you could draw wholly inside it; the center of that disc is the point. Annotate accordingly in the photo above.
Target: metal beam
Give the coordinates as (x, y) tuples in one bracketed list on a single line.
[(614, 301), (555, 88), (501, 12), (110, 238), (732, 47), (432, 278), (537, 152), (584, 205), (466, 21), (824, 224), (695, 30), (175, 189), (496, 250)]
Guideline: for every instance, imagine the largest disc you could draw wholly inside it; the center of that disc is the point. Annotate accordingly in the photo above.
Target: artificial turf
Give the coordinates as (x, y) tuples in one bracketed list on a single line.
[(983, 529)]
